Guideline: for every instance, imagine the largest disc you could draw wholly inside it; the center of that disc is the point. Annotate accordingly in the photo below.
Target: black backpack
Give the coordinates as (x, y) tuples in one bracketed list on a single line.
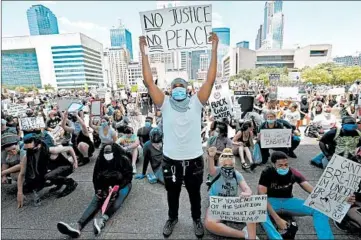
[(218, 176)]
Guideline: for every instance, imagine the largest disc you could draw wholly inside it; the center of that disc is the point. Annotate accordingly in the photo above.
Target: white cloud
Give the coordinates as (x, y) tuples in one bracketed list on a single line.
[(48, 2), (83, 25), (217, 20)]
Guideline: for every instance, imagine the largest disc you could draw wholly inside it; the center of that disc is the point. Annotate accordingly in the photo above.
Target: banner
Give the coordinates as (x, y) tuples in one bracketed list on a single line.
[(243, 103), (29, 123), (287, 94), (220, 101), (340, 179), (176, 29), (237, 209), (276, 138), (294, 76)]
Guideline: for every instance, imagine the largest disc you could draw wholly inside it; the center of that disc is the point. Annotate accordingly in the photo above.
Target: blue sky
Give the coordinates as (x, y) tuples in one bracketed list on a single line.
[(306, 22)]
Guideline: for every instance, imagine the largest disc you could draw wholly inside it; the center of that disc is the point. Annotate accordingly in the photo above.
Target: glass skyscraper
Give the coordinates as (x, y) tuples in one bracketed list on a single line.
[(243, 44), (223, 34), (273, 22), (42, 21), (20, 68), (121, 37)]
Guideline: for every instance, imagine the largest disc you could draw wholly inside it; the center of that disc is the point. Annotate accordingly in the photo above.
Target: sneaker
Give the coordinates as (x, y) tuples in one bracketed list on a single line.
[(169, 226), (68, 229), (246, 233), (198, 228), (70, 187), (291, 154), (340, 226), (134, 169), (99, 224)]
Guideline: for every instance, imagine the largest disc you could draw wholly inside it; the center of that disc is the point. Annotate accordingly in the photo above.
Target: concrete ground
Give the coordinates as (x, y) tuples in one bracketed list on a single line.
[(144, 211)]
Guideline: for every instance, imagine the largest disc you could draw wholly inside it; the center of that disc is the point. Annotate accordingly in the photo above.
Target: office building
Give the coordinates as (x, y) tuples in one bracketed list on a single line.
[(119, 59), (62, 60), (243, 44), (135, 76), (41, 21), (121, 37), (223, 35), (350, 60), (258, 43)]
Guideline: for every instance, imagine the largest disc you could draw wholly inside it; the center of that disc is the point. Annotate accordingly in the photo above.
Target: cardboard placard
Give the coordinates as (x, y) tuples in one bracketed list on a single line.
[(340, 179), (29, 123), (220, 101), (74, 107), (276, 138), (243, 103), (96, 108), (236, 209), (178, 28), (287, 94)]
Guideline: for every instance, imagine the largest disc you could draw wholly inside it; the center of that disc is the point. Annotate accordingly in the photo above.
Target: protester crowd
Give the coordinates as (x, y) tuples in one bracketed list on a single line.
[(170, 141)]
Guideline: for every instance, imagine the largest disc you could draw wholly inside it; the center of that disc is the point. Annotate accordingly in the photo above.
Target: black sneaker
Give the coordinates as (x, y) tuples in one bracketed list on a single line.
[(68, 229), (83, 161), (198, 228), (70, 187), (340, 226), (169, 226), (291, 154), (99, 224)]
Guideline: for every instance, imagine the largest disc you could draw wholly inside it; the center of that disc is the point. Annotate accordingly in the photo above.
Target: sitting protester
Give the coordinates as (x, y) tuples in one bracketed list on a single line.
[(243, 143), (143, 133), (112, 168), (10, 157), (6, 129), (220, 139), (277, 183), (53, 121), (37, 171), (106, 133), (130, 142), (226, 182), (153, 153), (120, 121), (292, 115)]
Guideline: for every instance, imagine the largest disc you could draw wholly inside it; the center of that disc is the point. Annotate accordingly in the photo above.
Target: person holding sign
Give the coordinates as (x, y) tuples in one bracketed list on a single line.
[(182, 149), (277, 182), (225, 184)]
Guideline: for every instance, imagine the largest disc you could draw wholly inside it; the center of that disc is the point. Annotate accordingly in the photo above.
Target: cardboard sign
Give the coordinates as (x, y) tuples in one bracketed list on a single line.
[(74, 107), (235, 209), (16, 110), (340, 179), (336, 91), (220, 102), (29, 123), (276, 138), (95, 108), (287, 93), (243, 103), (274, 77), (64, 103), (175, 29)]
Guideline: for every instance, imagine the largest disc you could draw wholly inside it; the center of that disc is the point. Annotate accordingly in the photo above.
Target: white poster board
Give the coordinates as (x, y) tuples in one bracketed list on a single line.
[(56, 133), (276, 138), (64, 103), (95, 108), (336, 91), (178, 28), (340, 179), (237, 209), (220, 101), (243, 103), (287, 93), (29, 123), (16, 110), (359, 99)]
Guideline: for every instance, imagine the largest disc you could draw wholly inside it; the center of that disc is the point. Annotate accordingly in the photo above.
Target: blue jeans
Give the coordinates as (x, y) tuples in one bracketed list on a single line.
[(159, 175), (295, 206)]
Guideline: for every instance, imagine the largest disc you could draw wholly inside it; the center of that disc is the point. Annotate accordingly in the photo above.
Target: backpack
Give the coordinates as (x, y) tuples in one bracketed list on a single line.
[(338, 131), (218, 176), (313, 130)]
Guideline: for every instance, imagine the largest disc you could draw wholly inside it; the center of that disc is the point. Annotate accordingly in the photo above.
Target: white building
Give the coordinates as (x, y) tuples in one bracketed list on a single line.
[(135, 73), (119, 59), (68, 60)]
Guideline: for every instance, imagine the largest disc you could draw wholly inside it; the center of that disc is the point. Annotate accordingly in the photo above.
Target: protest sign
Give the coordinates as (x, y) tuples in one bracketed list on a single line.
[(236, 209), (29, 123), (274, 77), (276, 138), (294, 76), (340, 179), (336, 91), (56, 134), (287, 93), (101, 92), (16, 110), (220, 101), (64, 103), (178, 28), (74, 107), (243, 103), (95, 108)]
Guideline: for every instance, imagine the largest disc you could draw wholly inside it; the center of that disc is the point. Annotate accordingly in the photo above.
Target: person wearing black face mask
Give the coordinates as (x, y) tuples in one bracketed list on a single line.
[(112, 168)]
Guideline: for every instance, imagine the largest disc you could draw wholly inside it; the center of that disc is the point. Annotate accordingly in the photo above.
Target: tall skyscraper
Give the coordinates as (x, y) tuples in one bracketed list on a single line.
[(41, 21), (121, 37), (223, 34), (258, 42), (243, 44), (273, 23)]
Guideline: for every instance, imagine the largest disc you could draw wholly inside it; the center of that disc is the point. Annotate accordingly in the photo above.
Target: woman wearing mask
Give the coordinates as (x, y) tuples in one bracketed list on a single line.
[(120, 122), (106, 133), (226, 175), (243, 141), (112, 168)]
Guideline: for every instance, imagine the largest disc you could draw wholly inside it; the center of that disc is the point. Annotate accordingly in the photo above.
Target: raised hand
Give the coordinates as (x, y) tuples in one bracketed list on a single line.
[(142, 44), (214, 39), (212, 151)]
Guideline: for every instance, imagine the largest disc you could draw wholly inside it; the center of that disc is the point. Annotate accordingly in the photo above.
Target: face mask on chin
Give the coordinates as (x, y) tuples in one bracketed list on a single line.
[(179, 93)]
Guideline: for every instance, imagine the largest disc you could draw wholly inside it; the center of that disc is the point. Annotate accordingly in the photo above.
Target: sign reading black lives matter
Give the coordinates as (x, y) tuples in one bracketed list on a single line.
[(220, 101), (340, 179), (175, 29), (237, 209)]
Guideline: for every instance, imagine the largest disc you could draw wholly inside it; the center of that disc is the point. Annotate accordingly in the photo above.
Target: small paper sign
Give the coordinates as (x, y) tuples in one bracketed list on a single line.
[(95, 108), (276, 138)]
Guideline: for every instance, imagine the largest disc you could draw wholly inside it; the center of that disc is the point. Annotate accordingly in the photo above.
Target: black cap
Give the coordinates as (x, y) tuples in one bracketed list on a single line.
[(108, 149)]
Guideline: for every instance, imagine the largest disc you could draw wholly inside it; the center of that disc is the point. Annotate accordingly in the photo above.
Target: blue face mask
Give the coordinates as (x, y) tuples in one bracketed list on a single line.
[(271, 121), (148, 124), (104, 124), (349, 127), (282, 171), (179, 93)]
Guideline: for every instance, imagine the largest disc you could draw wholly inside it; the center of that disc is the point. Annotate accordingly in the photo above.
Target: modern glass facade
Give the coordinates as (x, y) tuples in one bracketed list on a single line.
[(20, 68), (195, 62), (42, 21), (277, 33), (121, 37), (272, 32), (76, 65), (349, 60), (223, 34), (243, 44)]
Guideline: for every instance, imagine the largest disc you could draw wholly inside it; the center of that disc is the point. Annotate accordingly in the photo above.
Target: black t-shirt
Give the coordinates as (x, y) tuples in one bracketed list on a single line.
[(279, 186), (152, 155), (143, 134), (52, 123)]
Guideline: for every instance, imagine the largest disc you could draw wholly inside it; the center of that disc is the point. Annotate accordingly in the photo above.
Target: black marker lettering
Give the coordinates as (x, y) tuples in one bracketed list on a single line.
[(169, 38), (205, 14), (195, 35), (186, 38)]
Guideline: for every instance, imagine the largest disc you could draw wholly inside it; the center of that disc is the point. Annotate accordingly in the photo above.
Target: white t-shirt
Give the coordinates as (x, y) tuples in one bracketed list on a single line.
[(326, 122), (292, 117), (182, 130)]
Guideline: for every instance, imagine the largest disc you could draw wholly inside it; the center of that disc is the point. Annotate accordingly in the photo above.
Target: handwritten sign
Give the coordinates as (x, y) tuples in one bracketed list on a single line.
[(359, 99), (287, 93), (95, 108), (340, 179), (179, 28), (220, 101), (276, 138), (29, 123), (16, 110), (243, 103), (236, 209)]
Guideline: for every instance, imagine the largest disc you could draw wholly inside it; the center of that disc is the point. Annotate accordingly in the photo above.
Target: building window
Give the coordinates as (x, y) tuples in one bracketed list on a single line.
[(318, 53)]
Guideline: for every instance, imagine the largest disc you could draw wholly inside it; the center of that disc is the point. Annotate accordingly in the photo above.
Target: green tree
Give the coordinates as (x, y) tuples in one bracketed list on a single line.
[(48, 87)]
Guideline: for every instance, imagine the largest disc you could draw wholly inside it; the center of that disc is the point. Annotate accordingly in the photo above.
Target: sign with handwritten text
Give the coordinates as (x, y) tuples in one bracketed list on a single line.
[(236, 209), (340, 179), (220, 101), (276, 138), (175, 29), (16, 110), (30, 123)]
